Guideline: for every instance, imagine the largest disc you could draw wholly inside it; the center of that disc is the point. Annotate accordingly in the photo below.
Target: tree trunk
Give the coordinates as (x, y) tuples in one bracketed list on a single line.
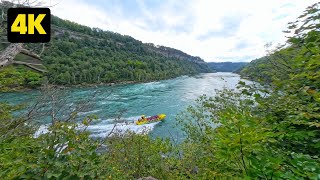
[(7, 56)]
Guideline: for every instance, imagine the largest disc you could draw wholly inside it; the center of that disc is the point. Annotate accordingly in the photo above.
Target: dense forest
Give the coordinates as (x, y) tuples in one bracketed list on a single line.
[(266, 129), (78, 54), (226, 66)]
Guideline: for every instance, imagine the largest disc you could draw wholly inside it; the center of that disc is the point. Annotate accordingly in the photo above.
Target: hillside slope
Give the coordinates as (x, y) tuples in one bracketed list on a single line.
[(78, 54)]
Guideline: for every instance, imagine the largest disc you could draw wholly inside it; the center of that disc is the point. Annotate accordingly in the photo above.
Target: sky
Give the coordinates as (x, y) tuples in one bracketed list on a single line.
[(215, 30)]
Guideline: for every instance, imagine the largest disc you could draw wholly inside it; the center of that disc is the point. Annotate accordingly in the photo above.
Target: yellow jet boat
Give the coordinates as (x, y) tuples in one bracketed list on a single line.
[(151, 119)]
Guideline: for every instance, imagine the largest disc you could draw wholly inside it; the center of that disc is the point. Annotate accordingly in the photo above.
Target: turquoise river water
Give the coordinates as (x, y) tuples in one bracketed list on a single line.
[(132, 100)]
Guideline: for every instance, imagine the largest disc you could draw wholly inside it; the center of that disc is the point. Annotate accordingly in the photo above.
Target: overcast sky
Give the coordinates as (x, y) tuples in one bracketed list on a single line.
[(215, 30)]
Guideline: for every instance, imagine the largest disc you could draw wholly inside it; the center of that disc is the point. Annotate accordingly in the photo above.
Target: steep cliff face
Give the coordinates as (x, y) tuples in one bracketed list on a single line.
[(167, 52), (173, 53)]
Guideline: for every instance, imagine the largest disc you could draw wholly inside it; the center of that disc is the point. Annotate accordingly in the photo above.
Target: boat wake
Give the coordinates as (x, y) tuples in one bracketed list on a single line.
[(109, 127)]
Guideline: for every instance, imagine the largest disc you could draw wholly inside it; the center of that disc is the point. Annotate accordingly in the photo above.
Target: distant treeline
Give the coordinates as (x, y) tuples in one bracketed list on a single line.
[(226, 66)]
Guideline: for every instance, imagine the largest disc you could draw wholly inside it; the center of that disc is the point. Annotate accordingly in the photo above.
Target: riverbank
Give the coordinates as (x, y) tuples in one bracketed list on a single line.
[(85, 85)]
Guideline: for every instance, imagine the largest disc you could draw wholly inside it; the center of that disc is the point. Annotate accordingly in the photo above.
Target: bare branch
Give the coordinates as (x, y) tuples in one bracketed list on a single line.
[(29, 53), (30, 65)]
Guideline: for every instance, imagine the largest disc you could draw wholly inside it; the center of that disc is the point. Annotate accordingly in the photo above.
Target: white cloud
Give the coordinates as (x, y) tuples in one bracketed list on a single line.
[(228, 30)]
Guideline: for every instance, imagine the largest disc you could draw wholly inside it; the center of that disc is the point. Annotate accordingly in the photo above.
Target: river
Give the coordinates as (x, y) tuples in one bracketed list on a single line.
[(168, 96)]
